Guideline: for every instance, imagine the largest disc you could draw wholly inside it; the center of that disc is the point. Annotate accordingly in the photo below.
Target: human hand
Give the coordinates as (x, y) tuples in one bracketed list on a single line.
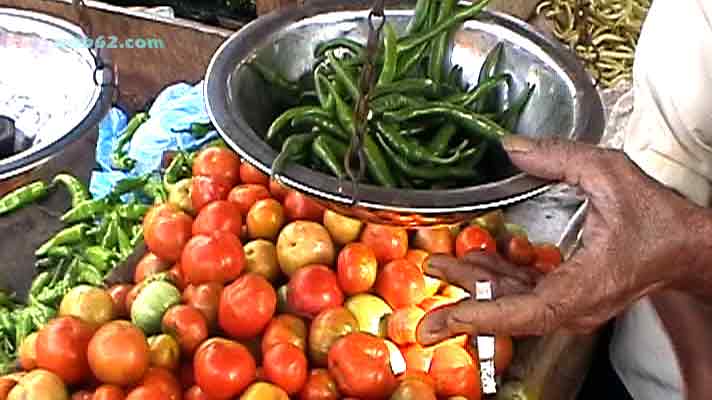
[(638, 237)]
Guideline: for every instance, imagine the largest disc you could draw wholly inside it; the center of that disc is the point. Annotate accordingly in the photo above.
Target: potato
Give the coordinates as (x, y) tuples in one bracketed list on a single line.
[(343, 230), (262, 259), (302, 243)]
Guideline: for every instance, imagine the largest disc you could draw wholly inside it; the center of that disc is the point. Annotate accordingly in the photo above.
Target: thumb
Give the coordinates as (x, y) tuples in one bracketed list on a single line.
[(551, 158)]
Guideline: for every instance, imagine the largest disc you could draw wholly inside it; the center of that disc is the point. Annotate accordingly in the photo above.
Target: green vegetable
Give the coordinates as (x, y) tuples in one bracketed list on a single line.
[(151, 303), (23, 196), (85, 210), (119, 158), (71, 235), (390, 63), (295, 146), (331, 152), (77, 190)]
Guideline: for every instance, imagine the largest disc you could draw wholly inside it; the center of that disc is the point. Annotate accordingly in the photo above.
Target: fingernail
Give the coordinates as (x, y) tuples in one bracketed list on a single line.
[(516, 144)]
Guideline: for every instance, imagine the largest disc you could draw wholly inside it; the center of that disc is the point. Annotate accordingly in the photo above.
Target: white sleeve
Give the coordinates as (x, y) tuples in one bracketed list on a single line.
[(669, 134)]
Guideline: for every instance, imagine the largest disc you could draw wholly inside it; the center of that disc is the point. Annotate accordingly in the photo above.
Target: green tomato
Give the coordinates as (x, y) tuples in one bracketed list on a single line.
[(151, 303)]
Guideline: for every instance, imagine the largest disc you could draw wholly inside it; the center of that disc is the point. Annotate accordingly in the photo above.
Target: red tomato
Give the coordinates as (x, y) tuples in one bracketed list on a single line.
[(360, 364), (474, 238), (176, 276), (205, 298), (401, 284), (278, 190), (187, 325), (356, 268), (455, 373), (62, 348), (205, 190), (6, 386), (118, 353), (250, 174), (312, 289), (300, 207), (223, 368), (246, 306), (546, 257), (244, 196), (166, 230), (417, 257), (519, 250), (387, 242), (319, 386), (285, 365), (82, 395), (403, 323), (118, 295), (149, 265), (109, 392), (220, 215), (417, 358), (434, 240), (413, 389), (164, 381), (213, 258), (219, 163), (285, 328), (147, 393), (195, 393), (131, 296)]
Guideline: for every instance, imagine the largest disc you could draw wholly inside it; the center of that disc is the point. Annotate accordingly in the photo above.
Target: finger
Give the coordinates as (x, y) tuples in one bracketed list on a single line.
[(433, 327), (464, 275), (499, 265)]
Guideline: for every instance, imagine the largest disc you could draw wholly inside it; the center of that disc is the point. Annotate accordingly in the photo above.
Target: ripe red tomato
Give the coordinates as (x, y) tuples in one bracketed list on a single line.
[(118, 295), (147, 393), (360, 365), (164, 381), (278, 190), (474, 238), (187, 325), (455, 373), (118, 353), (246, 306), (519, 250), (149, 265), (223, 368), (220, 215), (176, 276), (300, 207), (356, 268), (244, 196), (546, 257), (403, 323), (62, 348), (434, 240), (312, 289), (109, 392), (205, 190), (218, 257), (205, 298), (285, 365), (219, 163), (401, 284), (250, 174), (195, 393), (166, 230), (387, 242), (319, 386), (285, 328), (326, 328)]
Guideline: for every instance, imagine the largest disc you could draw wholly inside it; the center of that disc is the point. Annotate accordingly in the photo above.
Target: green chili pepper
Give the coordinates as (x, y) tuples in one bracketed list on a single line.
[(413, 130), (173, 172), (390, 63), (413, 86), (133, 211), (90, 275), (490, 100), (439, 144), (197, 129), (439, 48), (344, 113), (321, 90), (215, 143), (324, 124), (40, 314), (128, 185), (294, 146), (393, 101), (86, 210), (155, 190), (411, 58), (479, 91), (59, 252), (40, 281), (136, 236), (420, 16), (273, 77), (376, 163), (340, 43), (343, 77), (71, 235), (454, 78), (122, 162), (77, 190), (112, 234), (99, 257), (468, 120), (286, 117), (510, 119), (45, 263), (23, 196), (411, 150), (429, 172), (451, 21), (330, 155), (119, 158)]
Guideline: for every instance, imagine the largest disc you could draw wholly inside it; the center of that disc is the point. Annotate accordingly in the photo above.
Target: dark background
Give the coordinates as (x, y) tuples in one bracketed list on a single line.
[(602, 381)]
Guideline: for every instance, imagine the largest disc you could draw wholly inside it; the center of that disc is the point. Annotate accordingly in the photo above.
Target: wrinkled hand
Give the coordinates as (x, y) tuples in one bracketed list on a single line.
[(638, 237)]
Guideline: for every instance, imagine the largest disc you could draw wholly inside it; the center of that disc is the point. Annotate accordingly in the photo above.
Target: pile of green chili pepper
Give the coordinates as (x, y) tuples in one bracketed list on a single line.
[(425, 129)]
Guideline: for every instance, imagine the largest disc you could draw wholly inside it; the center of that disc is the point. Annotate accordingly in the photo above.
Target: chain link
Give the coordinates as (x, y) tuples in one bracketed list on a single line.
[(355, 160)]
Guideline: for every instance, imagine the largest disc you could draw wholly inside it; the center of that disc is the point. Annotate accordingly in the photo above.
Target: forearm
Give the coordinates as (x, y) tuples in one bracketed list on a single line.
[(697, 256)]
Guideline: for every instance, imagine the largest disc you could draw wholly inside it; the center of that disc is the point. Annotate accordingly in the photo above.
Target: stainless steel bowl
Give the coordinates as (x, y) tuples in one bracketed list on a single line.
[(242, 107)]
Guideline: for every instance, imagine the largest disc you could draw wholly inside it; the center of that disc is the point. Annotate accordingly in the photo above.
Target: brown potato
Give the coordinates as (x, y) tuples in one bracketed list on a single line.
[(262, 259), (302, 243), (343, 230)]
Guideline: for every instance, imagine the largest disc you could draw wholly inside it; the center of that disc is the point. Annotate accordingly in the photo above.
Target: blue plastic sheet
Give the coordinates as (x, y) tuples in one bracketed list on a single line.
[(172, 112)]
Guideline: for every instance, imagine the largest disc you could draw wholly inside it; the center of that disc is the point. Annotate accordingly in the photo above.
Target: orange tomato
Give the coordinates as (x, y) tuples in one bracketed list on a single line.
[(519, 250), (118, 353), (166, 231), (149, 265), (118, 295), (360, 365), (319, 386), (401, 284), (265, 219), (455, 373), (285, 328), (417, 358), (62, 348), (403, 323), (245, 196), (205, 298), (221, 215), (356, 268), (546, 257), (278, 190), (474, 238), (246, 306), (250, 174), (187, 325), (387, 242), (285, 365), (434, 240), (223, 368), (164, 381), (147, 393), (218, 162), (109, 392), (300, 207)]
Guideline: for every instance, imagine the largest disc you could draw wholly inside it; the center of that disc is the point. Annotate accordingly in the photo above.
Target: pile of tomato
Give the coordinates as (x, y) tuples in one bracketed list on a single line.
[(252, 291)]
